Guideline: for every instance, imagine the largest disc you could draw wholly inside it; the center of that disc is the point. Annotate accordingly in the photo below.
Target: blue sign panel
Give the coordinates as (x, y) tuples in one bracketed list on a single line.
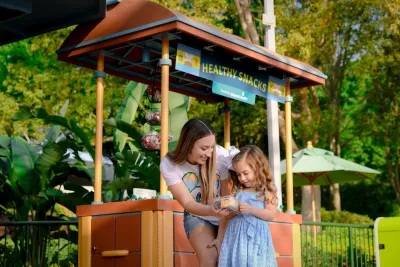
[(233, 93)]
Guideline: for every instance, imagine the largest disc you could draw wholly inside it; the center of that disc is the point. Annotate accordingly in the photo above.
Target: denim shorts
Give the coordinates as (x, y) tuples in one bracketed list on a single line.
[(191, 222)]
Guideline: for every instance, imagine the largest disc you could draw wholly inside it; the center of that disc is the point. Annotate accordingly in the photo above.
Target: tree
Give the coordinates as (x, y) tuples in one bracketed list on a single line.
[(31, 75)]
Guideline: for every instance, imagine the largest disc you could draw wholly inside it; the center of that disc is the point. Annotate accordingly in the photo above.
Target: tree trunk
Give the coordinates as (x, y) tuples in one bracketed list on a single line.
[(306, 211)]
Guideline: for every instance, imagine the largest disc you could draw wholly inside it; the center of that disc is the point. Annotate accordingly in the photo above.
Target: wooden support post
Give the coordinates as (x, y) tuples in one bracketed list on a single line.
[(289, 173), (84, 241), (227, 124), (165, 64), (99, 129)]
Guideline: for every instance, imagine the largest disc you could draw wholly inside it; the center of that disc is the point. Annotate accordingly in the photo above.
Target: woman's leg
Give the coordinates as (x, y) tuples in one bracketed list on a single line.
[(200, 237)]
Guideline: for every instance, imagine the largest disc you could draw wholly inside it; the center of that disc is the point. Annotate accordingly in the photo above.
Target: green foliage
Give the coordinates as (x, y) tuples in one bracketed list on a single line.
[(60, 248), (31, 75), (344, 217), (29, 176), (333, 248)]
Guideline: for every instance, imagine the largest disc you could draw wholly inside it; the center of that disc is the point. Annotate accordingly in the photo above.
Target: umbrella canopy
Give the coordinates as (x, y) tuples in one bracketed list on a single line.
[(321, 167)]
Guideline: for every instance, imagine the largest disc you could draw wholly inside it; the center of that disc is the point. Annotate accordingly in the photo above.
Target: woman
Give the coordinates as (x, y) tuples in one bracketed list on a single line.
[(196, 172)]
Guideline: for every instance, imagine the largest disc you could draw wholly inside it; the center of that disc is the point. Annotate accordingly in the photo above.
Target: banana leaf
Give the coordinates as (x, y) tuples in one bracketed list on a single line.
[(39, 113), (134, 92)]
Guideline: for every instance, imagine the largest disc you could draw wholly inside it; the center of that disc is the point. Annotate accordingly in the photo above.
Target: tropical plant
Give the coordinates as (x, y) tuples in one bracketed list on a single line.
[(30, 180), (130, 125)]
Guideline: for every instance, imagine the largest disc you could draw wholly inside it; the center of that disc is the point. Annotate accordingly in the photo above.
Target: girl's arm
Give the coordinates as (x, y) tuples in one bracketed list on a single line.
[(266, 214)]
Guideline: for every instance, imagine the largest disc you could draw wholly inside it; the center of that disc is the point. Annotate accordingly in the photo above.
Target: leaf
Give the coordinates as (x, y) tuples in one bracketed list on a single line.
[(132, 130), (54, 131), (51, 154), (71, 125), (138, 165), (23, 157), (134, 92), (71, 201), (5, 141), (77, 189), (110, 122)]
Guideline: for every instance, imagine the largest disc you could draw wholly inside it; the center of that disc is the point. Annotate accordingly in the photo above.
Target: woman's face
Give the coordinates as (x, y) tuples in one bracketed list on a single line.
[(202, 150)]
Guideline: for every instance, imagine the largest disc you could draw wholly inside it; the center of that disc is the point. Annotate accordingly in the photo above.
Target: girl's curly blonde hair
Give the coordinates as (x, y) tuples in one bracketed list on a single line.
[(258, 162)]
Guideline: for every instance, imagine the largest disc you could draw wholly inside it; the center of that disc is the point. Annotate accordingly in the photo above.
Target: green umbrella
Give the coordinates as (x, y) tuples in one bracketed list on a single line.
[(315, 166)]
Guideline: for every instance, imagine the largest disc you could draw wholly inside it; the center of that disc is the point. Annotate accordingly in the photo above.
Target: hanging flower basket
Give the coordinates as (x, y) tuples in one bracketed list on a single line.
[(153, 117), (152, 140), (154, 94)]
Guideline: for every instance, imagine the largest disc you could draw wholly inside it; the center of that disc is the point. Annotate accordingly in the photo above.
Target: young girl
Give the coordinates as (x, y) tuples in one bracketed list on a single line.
[(248, 241)]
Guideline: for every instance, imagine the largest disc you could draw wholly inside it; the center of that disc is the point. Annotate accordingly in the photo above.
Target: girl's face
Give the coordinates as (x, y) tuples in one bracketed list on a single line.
[(202, 150), (245, 173)]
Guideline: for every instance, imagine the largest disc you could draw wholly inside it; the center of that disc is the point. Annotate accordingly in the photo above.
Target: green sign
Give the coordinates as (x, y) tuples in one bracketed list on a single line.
[(233, 93)]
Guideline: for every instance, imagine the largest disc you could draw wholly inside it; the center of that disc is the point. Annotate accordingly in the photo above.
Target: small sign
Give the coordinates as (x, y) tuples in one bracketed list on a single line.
[(276, 89), (233, 93), (188, 60)]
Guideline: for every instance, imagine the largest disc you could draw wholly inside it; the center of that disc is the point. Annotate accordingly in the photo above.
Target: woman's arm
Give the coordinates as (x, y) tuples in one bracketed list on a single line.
[(181, 193), (266, 214)]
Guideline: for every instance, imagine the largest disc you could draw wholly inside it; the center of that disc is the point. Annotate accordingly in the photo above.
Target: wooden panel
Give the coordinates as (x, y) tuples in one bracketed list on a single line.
[(149, 239), (282, 238), (132, 260), (288, 218), (167, 231), (181, 243), (103, 234), (185, 260), (285, 262), (127, 230), (128, 207), (99, 261)]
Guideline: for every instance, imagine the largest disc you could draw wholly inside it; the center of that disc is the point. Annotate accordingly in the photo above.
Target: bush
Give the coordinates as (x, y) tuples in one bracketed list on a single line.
[(344, 217)]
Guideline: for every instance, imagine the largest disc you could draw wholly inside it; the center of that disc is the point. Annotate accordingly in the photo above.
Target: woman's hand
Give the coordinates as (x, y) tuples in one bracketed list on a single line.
[(219, 213), (217, 244)]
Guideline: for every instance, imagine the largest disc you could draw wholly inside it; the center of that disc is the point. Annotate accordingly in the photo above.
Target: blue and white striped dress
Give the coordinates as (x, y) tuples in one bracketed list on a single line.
[(247, 241)]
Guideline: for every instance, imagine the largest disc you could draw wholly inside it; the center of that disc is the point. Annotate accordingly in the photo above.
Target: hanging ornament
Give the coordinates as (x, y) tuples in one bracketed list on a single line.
[(156, 95), (153, 117), (152, 140)]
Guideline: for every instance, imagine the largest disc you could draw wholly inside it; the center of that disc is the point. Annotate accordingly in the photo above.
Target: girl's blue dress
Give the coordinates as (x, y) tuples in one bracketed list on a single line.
[(247, 241)]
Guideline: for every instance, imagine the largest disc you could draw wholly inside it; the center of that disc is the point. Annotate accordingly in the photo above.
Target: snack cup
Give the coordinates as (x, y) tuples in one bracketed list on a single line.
[(226, 202)]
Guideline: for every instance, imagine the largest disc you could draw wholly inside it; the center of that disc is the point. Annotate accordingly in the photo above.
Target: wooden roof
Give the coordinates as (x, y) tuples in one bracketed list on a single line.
[(131, 25)]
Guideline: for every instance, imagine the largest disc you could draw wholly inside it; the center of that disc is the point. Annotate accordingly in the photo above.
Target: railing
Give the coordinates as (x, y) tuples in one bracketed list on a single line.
[(337, 244), (39, 243)]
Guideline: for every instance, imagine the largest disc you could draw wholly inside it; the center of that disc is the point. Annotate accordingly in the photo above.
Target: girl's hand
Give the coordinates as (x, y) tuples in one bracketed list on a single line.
[(217, 244), (245, 208)]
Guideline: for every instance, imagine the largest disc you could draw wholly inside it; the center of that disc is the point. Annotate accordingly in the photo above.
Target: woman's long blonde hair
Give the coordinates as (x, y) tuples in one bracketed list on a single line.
[(258, 162), (193, 130)]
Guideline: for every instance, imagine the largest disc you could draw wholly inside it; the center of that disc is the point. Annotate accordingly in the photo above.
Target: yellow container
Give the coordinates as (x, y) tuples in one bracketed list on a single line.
[(387, 241)]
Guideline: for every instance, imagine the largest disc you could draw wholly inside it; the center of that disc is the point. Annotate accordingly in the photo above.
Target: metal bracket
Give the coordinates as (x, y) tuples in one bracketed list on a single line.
[(291, 212), (269, 20), (165, 61), (100, 74), (288, 98)]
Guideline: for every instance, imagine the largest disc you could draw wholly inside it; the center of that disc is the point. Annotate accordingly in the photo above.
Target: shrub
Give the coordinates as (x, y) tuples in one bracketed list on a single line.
[(344, 217)]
